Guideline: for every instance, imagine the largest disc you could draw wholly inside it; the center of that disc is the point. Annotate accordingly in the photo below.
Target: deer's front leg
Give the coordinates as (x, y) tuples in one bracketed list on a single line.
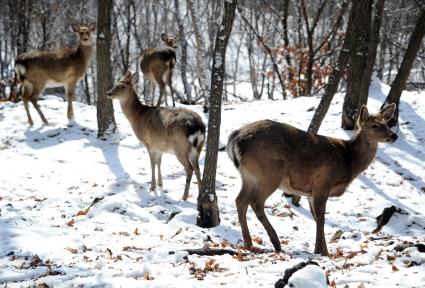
[(319, 209), (153, 162), (70, 95)]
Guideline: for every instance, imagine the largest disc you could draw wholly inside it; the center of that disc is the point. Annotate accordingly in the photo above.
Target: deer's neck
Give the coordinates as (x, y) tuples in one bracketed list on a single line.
[(132, 107), (84, 52), (361, 152)]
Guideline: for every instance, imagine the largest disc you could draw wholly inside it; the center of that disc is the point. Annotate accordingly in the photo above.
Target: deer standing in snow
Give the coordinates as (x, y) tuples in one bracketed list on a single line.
[(37, 70), (162, 130), (271, 155), (157, 65)]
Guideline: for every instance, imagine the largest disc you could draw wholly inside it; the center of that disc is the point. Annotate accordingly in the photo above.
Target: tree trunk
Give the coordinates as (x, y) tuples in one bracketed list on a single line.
[(399, 82), (357, 65), (201, 62), (183, 55), (207, 198), (285, 9), (353, 22), (105, 110)]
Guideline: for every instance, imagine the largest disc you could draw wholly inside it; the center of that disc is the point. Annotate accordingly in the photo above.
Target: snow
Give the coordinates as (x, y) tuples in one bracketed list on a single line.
[(50, 175), (310, 276)]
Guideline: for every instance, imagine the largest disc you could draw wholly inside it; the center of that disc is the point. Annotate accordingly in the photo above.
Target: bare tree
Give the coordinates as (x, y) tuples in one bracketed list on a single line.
[(399, 82), (207, 198), (201, 62), (349, 44), (105, 111)]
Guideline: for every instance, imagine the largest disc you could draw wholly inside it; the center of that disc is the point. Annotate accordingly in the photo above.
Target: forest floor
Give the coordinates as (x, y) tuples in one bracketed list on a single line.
[(50, 175)]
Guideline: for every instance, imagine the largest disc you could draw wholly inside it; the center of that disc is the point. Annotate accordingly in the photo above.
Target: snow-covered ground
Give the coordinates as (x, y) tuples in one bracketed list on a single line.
[(49, 176)]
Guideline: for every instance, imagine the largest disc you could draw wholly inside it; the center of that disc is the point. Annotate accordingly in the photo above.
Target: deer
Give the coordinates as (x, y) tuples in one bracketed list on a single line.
[(37, 70), (178, 131), (271, 155), (157, 65)]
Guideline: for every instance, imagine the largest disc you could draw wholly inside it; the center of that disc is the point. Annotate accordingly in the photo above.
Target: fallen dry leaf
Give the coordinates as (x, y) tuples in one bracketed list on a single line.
[(72, 250), (82, 212), (71, 223), (136, 232), (394, 268)]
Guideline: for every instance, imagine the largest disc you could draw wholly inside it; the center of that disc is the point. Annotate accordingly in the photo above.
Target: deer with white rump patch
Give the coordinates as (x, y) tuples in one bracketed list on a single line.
[(162, 130), (37, 70), (271, 155), (157, 65)]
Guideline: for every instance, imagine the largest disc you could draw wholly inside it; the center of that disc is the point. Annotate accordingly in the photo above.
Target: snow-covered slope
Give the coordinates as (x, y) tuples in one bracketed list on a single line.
[(49, 176)]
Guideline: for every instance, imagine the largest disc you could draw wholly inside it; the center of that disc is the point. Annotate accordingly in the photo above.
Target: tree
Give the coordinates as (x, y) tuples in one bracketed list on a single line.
[(201, 62), (399, 82), (349, 44), (105, 111), (207, 198), (362, 61)]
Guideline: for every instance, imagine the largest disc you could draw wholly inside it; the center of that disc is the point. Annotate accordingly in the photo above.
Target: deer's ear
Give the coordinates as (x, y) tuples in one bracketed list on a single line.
[(363, 115), (164, 37), (388, 111), (126, 77), (135, 78), (92, 26), (75, 27)]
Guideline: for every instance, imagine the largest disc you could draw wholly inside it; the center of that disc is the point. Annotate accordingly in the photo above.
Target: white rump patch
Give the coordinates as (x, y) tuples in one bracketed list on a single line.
[(198, 135), (20, 69)]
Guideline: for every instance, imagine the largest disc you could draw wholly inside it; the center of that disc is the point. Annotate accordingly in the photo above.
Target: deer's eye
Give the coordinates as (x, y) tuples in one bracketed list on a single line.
[(375, 126)]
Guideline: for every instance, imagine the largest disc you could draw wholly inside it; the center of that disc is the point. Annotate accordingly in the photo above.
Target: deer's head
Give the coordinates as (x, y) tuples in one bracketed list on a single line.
[(124, 87), (84, 33), (376, 126), (170, 41)]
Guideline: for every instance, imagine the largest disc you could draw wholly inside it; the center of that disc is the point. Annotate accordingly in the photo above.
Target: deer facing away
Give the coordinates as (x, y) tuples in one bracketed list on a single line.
[(162, 130), (37, 70), (157, 65), (271, 155)]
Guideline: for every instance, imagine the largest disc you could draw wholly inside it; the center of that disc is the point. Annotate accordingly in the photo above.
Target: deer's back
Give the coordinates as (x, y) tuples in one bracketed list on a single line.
[(166, 128), (154, 59), (54, 66)]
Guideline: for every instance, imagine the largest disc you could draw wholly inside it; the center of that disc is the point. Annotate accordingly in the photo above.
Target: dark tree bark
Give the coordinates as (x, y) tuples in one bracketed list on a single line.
[(399, 82), (357, 65), (207, 198), (105, 111), (353, 22), (285, 9)]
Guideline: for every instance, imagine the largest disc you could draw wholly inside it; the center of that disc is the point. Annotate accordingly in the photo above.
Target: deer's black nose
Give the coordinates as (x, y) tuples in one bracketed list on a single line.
[(394, 137)]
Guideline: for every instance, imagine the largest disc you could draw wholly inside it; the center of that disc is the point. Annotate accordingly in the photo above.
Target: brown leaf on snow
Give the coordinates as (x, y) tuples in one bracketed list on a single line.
[(284, 242), (82, 212), (72, 250), (390, 257), (36, 261), (258, 240), (225, 244), (394, 268), (146, 276), (136, 232), (333, 284), (42, 285), (71, 223), (123, 233)]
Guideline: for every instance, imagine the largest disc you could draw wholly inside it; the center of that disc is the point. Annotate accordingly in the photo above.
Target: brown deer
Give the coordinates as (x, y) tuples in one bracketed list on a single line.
[(271, 155), (37, 70), (157, 65), (162, 130)]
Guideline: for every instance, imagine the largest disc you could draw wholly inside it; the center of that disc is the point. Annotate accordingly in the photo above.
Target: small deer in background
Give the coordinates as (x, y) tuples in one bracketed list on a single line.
[(157, 65), (271, 155), (37, 70), (162, 130)]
